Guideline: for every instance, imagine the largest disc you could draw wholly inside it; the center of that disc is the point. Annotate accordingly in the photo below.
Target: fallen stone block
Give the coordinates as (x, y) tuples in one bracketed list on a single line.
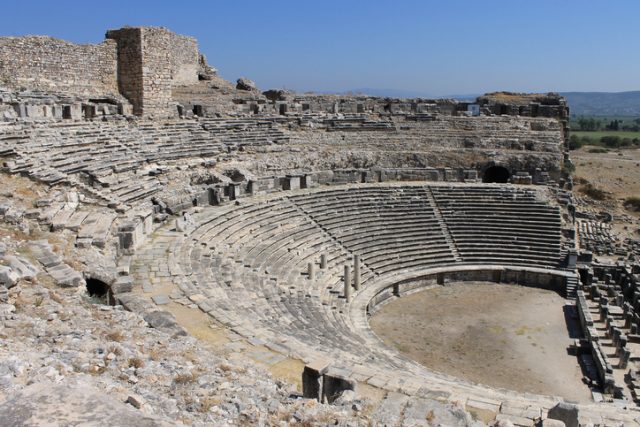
[(122, 285), (24, 268), (8, 277), (65, 276), (165, 321), (40, 404)]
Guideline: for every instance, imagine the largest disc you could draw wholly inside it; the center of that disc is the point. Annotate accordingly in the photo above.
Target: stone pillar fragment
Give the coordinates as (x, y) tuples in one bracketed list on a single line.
[(347, 283), (323, 261), (356, 272), (311, 270)]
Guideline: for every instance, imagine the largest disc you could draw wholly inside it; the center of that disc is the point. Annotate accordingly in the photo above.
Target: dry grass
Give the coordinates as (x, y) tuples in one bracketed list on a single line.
[(208, 402), (186, 378), (136, 362), (593, 192), (116, 336), (115, 349), (55, 297), (430, 417), (155, 353)]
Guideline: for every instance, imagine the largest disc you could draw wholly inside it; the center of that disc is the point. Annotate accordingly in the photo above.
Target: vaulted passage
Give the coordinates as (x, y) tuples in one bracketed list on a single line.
[(99, 290), (497, 174)]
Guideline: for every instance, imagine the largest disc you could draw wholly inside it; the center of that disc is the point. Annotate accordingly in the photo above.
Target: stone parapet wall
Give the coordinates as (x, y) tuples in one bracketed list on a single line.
[(53, 65)]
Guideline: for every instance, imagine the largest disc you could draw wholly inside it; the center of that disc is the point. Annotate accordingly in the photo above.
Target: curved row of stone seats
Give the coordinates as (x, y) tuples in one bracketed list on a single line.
[(524, 134), (56, 151), (238, 292), (272, 238), (390, 228), (501, 225), (226, 266)]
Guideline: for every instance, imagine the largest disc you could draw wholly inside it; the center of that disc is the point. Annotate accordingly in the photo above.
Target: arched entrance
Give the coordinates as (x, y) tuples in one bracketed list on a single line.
[(100, 290), (497, 174)]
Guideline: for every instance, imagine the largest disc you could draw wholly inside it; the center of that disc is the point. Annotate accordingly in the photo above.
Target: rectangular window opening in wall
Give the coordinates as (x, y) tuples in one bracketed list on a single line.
[(359, 108), (283, 109), (66, 111), (89, 111), (198, 110)]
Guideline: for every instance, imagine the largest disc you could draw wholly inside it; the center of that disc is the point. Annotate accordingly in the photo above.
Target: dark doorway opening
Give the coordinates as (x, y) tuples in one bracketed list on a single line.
[(89, 111), (497, 174), (99, 290)]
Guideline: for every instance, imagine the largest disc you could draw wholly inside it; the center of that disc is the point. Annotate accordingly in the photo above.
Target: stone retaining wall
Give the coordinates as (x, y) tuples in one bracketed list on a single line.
[(53, 65)]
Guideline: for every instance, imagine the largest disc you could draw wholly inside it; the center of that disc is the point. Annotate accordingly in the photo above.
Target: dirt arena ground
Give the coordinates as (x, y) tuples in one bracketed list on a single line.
[(500, 335), (617, 173)]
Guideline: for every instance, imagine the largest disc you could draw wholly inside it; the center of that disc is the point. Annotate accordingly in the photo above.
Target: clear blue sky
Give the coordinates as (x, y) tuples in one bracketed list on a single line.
[(431, 47)]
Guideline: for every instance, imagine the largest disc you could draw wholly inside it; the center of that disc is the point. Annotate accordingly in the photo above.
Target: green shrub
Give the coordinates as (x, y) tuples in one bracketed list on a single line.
[(598, 150), (574, 142), (568, 167), (611, 141)]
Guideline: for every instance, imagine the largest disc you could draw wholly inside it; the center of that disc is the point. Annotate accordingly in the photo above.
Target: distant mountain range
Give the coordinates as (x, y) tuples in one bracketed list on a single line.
[(603, 103), (580, 103)]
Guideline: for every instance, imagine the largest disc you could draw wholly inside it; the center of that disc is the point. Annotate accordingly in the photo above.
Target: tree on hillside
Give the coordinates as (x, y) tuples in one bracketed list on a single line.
[(588, 124), (613, 125)]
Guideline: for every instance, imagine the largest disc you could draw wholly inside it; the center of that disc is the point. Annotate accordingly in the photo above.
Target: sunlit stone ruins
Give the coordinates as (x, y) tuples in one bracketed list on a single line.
[(135, 175)]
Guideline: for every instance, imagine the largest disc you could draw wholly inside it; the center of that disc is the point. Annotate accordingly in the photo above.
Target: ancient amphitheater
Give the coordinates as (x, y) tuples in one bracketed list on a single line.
[(284, 221)]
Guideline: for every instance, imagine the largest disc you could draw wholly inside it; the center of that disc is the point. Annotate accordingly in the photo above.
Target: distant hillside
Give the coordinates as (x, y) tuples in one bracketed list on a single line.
[(603, 103)]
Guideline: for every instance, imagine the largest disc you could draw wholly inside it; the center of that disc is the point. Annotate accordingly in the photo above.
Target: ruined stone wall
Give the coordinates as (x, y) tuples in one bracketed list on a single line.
[(152, 60), (52, 65), (129, 65), (185, 59)]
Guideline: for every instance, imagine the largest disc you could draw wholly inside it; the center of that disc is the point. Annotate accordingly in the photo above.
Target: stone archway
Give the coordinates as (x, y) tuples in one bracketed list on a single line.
[(498, 174), (100, 290)]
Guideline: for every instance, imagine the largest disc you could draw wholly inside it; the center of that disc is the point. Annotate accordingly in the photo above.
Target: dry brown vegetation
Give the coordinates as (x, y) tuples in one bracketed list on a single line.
[(136, 362), (185, 378), (593, 192), (117, 336), (632, 204)]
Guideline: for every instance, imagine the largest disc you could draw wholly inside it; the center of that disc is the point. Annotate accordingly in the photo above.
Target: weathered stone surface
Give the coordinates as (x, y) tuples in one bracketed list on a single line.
[(244, 83), (8, 277), (565, 412), (122, 285), (549, 422), (71, 404), (165, 321), (277, 94)]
